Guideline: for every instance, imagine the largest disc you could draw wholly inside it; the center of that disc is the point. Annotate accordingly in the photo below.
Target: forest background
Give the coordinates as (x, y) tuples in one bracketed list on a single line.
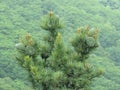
[(20, 16)]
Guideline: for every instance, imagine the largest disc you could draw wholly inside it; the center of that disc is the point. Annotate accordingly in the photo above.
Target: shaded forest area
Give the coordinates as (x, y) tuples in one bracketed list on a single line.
[(20, 16)]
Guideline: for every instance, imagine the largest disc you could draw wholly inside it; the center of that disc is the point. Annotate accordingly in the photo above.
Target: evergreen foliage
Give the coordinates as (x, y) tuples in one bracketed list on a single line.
[(52, 67), (20, 16), (85, 42)]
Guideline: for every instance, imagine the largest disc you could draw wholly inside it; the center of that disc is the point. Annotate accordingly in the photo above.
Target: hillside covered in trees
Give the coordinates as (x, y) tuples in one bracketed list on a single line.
[(17, 17)]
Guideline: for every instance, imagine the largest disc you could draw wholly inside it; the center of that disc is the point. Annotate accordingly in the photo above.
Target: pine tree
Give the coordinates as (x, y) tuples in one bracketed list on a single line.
[(54, 67)]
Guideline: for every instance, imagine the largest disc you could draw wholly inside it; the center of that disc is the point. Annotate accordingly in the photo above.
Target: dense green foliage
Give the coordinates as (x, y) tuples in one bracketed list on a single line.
[(9, 84), (20, 16), (53, 67)]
